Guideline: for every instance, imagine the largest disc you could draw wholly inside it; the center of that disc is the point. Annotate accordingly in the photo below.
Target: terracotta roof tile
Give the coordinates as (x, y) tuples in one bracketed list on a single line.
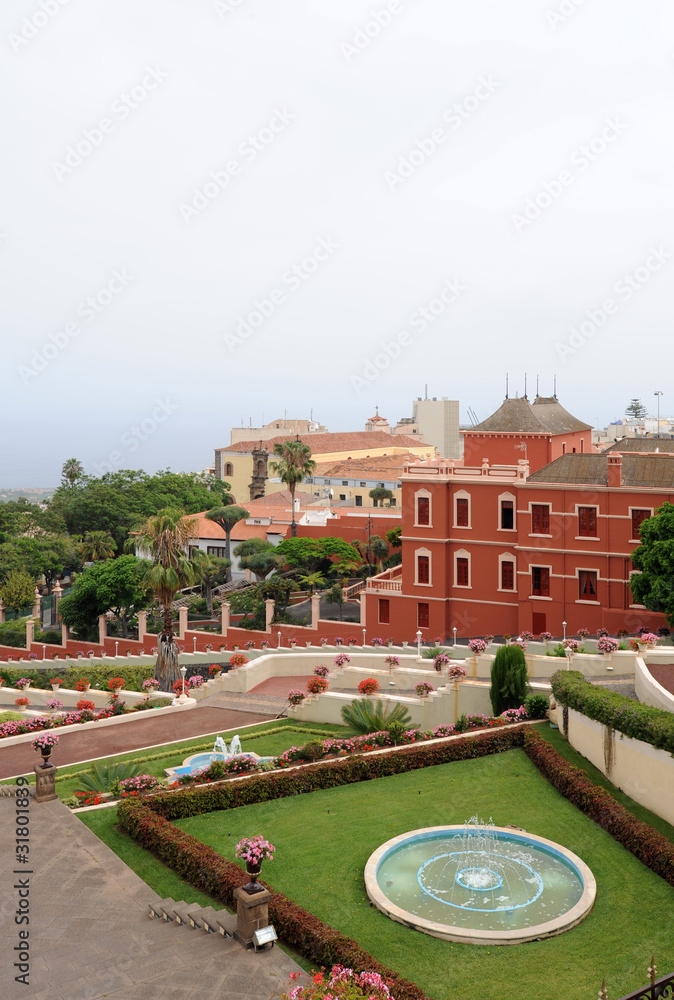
[(322, 444), (650, 471)]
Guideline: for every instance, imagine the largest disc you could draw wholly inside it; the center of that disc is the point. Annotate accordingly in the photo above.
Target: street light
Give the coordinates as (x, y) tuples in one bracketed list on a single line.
[(564, 627), (194, 640), (183, 671), (116, 649), (364, 643), (658, 393), (279, 640), (455, 630)]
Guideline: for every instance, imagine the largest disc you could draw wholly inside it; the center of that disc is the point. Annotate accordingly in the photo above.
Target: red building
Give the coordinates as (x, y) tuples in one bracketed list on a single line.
[(539, 432), (492, 549)]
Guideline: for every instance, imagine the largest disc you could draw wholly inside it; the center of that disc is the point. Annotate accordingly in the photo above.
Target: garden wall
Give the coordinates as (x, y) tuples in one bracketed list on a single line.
[(648, 691), (637, 768)]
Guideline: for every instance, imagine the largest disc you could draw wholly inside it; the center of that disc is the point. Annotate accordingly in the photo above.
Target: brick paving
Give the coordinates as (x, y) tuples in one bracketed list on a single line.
[(90, 933), (102, 741)]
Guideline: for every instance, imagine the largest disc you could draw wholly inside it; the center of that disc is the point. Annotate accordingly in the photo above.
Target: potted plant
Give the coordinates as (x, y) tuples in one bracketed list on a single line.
[(56, 683), (82, 685), (264, 644), (292, 643), (477, 646), (324, 641), (342, 659), (32, 656), (546, 637), (602, 633), (208, 647), (440, 661), (115, 684), (622, 632), (83, 705), (215, 670), (424, 689), (455, 671), (338, 640), (90, 653), (392, 661), (317, 685), (149, 686), (296, 697), (54, 705), (572, 646), (352, 641), (44, 744), (237, 660), (196, 681), (583, 633), (22, 684), (369, 686), (322, 670), (254, 850), (376, 641), (21, 704), (606, 645)]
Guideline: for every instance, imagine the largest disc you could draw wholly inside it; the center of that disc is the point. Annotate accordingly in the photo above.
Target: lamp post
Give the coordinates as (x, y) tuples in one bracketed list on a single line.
[(419, 643), (194, 640), (183, 671), (116, 649), (364, 631), (44, 651), (455, 630), (279, 640), (658, 393), (564, 627)]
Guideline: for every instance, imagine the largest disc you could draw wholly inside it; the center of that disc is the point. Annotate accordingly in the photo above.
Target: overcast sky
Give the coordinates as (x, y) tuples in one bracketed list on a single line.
[(217, 212)]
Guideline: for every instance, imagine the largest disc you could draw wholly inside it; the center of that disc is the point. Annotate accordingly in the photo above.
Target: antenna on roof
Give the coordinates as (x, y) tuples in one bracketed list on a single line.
[(506, 385), (555, 388), (525, 386), (537, 393)]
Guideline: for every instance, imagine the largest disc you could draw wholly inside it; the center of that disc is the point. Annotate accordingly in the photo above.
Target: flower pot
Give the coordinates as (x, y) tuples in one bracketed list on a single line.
[(55, 687), (254, 872), (117, 692), (46, 754), (307, 644)]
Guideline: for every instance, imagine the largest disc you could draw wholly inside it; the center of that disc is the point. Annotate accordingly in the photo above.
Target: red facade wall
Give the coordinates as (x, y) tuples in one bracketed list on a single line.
[(506, 449)]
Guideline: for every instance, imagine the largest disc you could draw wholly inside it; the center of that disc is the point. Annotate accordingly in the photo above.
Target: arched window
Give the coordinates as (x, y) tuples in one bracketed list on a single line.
[(229, 469)]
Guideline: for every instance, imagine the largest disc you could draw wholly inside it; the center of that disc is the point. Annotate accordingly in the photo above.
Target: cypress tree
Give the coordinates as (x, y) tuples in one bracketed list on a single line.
[(509, 682)]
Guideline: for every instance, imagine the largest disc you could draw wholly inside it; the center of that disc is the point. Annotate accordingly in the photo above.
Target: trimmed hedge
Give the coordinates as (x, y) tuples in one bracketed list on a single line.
[(640, 839), (629, 717), (97, 674)]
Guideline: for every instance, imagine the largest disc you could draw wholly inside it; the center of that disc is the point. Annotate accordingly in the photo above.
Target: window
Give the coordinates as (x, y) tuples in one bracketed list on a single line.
[(563, 447), (638, 517), (216, 550), (423, 615), (342, 496), (507, 575), (359, 501), (461, 572), (507, 514), (587, 522), (540, 519), (363, 484), (345, 482), (461, 512), (384, 612), (423, 569), (229, 469), (540, 581), (587, 585), (423, 510)]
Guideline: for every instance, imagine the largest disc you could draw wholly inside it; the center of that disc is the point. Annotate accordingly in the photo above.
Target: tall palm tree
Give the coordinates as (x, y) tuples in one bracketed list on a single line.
[(379, 549), (227, 517), (71, 471), (211, 570), (295, 462), (97, 546), (165, 537)]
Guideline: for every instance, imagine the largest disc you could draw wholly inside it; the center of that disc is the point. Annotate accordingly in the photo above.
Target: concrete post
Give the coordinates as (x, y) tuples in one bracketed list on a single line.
[(2, 611), (269, 613), (102, 629), (224, 617), (363, 616), (315, 610), (142, 625), (252, 913), (30, 633), (182, 622), (45, 788), (64, 636), (57, 594), (37, 604)]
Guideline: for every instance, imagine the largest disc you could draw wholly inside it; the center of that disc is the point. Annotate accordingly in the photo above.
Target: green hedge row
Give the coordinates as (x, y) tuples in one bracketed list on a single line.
[(647, 844), (641, 722)]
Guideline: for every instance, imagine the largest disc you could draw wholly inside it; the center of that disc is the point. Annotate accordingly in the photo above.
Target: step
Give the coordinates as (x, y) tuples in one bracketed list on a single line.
[(183, 911), (198, 918), (168, 909), (219, 922), (156, 908)]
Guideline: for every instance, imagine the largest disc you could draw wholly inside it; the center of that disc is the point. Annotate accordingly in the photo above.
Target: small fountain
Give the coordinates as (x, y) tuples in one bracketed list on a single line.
[(480, 884), (221, 752)]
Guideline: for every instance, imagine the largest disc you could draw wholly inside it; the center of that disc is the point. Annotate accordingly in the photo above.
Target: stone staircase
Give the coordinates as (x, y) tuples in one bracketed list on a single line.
[(195, 916)]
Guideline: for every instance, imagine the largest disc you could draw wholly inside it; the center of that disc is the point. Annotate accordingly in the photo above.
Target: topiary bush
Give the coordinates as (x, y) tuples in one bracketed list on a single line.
[(509, 681), (537, 705), (313, 750)]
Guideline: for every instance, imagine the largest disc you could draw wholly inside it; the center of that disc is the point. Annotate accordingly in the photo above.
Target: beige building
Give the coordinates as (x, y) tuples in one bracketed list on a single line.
[(286, 426)]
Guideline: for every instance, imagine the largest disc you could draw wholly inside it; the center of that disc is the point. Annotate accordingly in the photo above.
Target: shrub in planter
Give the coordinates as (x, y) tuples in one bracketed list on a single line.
[(537, 705), (54, 705), (583, 632), (456, 671), (509, 680), (622, 632), (115, 683), (526, 636), (545, 637), (392, 661), (21, 703), (440, 661), (317, 685), (368, 686)]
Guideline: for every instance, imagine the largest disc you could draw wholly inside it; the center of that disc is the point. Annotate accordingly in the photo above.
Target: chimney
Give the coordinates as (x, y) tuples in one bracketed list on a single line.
[(615, 470)]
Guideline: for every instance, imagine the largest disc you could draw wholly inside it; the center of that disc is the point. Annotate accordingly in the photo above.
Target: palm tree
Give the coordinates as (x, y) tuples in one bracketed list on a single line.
[(379, 549), (71, 471), (259, 556), (312, 581), (165, 537), (227, 517), (97, 546), (336, 596), (295, 462), (210, 570)]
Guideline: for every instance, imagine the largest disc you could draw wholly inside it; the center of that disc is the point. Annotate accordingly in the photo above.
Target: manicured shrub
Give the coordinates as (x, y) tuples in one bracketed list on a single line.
[(509, 682), (313, 750), (537, 705)]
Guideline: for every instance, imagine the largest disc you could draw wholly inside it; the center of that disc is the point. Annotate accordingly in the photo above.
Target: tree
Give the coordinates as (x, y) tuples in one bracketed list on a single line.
[(258, 556), (71, 471), (378, 550), (278, 589), (653, 586), (18, 591), (509, 683), (316, 555), (295, 463), (636, 410), (393, 537), (166, 537), (336, 596), (97, 545), (379, 494), (312, 581), (211, 570), (114, 585), (226, 518)]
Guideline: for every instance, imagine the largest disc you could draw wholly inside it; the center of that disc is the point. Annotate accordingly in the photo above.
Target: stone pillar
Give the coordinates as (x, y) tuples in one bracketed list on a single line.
[(57, 594), (45, 789), (182, 622), (315, 610), (142, 625), (102, 629), (2, 611), (363, 616), (30, 633), (269, 613), (224, 617), (64, 636), (37, 605), (252, 913)]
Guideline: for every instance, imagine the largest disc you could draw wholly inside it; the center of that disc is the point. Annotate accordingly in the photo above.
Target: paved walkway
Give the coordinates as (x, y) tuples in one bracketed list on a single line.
[(148, 730), (90, 933)]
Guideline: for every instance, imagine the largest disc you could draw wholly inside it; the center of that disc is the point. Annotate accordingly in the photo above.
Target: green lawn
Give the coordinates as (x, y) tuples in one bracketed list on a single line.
[(323, 841)]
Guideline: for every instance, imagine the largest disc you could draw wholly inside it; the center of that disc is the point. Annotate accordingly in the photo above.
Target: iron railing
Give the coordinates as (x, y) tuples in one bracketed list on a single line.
[(657, 989)]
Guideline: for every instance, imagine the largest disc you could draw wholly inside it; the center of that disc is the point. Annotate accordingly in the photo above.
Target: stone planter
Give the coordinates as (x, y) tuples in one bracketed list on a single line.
[(55, 687)]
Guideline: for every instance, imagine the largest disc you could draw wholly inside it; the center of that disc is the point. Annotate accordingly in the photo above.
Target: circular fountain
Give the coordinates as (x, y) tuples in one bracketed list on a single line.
[(480, 884)]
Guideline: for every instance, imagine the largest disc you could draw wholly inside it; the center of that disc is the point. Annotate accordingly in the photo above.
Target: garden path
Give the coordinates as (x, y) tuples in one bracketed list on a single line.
[(663, 673), (90, 933)]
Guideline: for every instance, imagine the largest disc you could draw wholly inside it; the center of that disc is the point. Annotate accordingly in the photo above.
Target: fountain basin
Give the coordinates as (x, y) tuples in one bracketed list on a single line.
[(510, 888), (200, 761)]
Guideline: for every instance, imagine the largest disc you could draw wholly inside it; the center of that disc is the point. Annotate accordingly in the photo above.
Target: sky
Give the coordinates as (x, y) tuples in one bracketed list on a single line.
[(222, 211)]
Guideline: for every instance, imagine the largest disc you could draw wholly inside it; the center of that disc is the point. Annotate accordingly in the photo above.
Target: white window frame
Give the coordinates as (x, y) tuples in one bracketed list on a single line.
[(513, 498), (429, 554), (463, 554), (507, 557), (429, 496), (462, 495)]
